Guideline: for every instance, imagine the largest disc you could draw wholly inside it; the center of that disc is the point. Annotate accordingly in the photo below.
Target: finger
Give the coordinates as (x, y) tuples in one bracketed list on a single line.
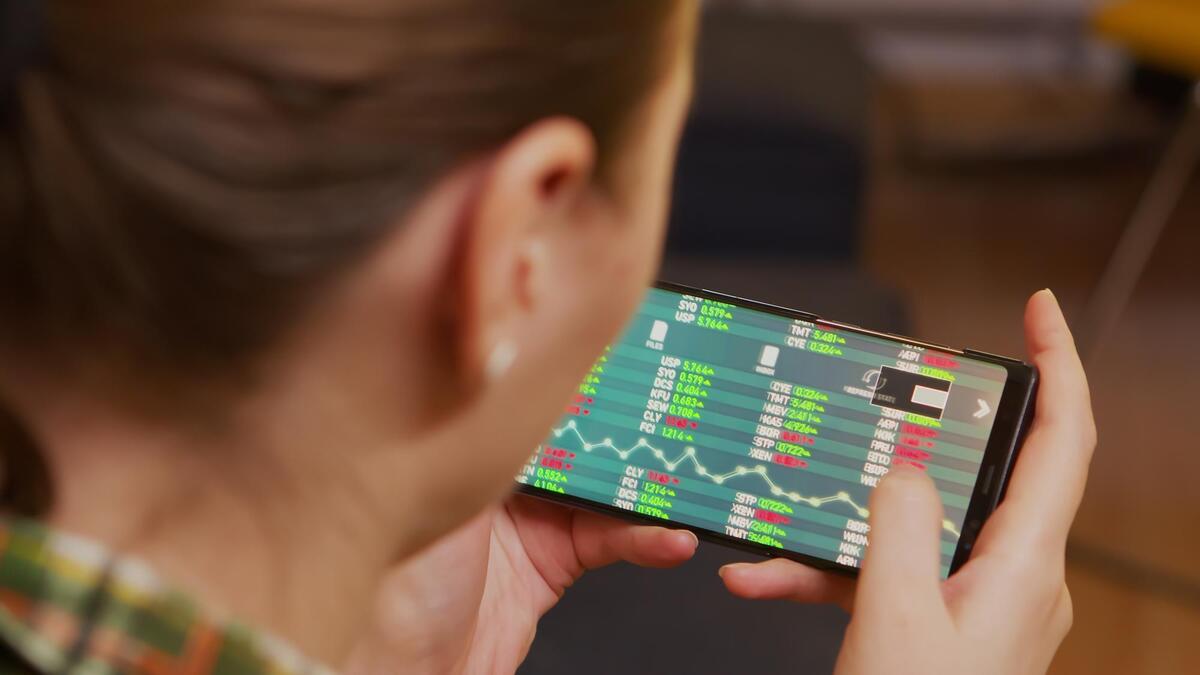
[(903, 559), (781, 579), (1051, 470), (600, 540)]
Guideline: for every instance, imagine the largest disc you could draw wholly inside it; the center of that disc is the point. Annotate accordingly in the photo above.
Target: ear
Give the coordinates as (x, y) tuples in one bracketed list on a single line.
[(530, 190)]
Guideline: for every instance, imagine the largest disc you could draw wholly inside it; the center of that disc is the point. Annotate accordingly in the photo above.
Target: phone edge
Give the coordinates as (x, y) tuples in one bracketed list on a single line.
[(1018, 398)]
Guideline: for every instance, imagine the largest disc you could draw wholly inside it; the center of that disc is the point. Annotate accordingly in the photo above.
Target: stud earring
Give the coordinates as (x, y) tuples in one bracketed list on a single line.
[(500, 360)]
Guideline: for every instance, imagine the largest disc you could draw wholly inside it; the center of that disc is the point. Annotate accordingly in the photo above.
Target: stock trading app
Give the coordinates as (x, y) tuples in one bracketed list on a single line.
[(765, 428)]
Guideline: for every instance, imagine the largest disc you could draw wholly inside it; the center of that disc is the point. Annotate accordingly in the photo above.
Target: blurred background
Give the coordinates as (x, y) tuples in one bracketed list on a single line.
[(923, 166)]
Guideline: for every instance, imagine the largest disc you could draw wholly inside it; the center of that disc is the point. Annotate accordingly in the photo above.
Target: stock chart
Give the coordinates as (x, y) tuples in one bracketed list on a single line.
[(765, 428)]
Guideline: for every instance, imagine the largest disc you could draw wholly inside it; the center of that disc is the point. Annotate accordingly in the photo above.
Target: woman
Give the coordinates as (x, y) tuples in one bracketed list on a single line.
[(288, 291)]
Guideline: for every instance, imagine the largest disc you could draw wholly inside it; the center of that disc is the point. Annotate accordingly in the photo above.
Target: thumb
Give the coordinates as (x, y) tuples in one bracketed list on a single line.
[(903, 559)]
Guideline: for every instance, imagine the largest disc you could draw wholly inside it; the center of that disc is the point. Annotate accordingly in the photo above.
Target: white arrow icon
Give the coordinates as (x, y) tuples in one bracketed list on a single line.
[(983, 409)]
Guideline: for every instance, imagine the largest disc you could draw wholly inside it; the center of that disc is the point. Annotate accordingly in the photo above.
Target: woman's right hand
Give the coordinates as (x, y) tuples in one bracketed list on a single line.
[(1005, 611)]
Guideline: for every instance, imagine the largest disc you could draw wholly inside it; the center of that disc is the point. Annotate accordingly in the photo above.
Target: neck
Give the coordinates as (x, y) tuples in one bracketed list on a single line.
[(294, 547)]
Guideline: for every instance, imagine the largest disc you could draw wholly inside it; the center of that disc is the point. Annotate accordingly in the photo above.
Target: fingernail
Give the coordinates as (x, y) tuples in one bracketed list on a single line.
[(725, 568), (903, 474), (690, 536)]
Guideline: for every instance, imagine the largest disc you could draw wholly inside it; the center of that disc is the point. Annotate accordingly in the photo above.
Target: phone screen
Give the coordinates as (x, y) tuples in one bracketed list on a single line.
[(766, 428)]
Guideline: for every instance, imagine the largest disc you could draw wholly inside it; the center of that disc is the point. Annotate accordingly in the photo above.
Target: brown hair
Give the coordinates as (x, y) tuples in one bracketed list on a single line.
[(181, 179)]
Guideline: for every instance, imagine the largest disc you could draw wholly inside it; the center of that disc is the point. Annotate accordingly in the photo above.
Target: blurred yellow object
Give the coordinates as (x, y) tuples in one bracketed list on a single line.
[(1164, 32)]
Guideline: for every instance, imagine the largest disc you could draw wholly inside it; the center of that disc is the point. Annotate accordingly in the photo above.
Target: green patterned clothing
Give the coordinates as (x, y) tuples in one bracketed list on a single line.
[(68, 606)]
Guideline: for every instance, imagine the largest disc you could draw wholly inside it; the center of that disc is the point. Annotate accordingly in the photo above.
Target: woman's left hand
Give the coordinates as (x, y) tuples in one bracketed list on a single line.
[(470, 603)]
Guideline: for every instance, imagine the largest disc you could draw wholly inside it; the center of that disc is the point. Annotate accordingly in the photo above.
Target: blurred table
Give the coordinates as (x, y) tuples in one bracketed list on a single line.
[(937, 11), (1166, 33)]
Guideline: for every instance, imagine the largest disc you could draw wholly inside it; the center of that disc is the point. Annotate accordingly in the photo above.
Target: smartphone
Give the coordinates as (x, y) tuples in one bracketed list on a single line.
[(766, 428)]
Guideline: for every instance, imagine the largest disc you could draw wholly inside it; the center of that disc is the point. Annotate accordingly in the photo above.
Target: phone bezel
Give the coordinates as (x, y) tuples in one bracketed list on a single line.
[(1014, 414)]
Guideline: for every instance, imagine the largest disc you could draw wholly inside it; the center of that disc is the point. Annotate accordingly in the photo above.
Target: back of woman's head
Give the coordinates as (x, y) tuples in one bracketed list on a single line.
[(179, 181), (193, 171)]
